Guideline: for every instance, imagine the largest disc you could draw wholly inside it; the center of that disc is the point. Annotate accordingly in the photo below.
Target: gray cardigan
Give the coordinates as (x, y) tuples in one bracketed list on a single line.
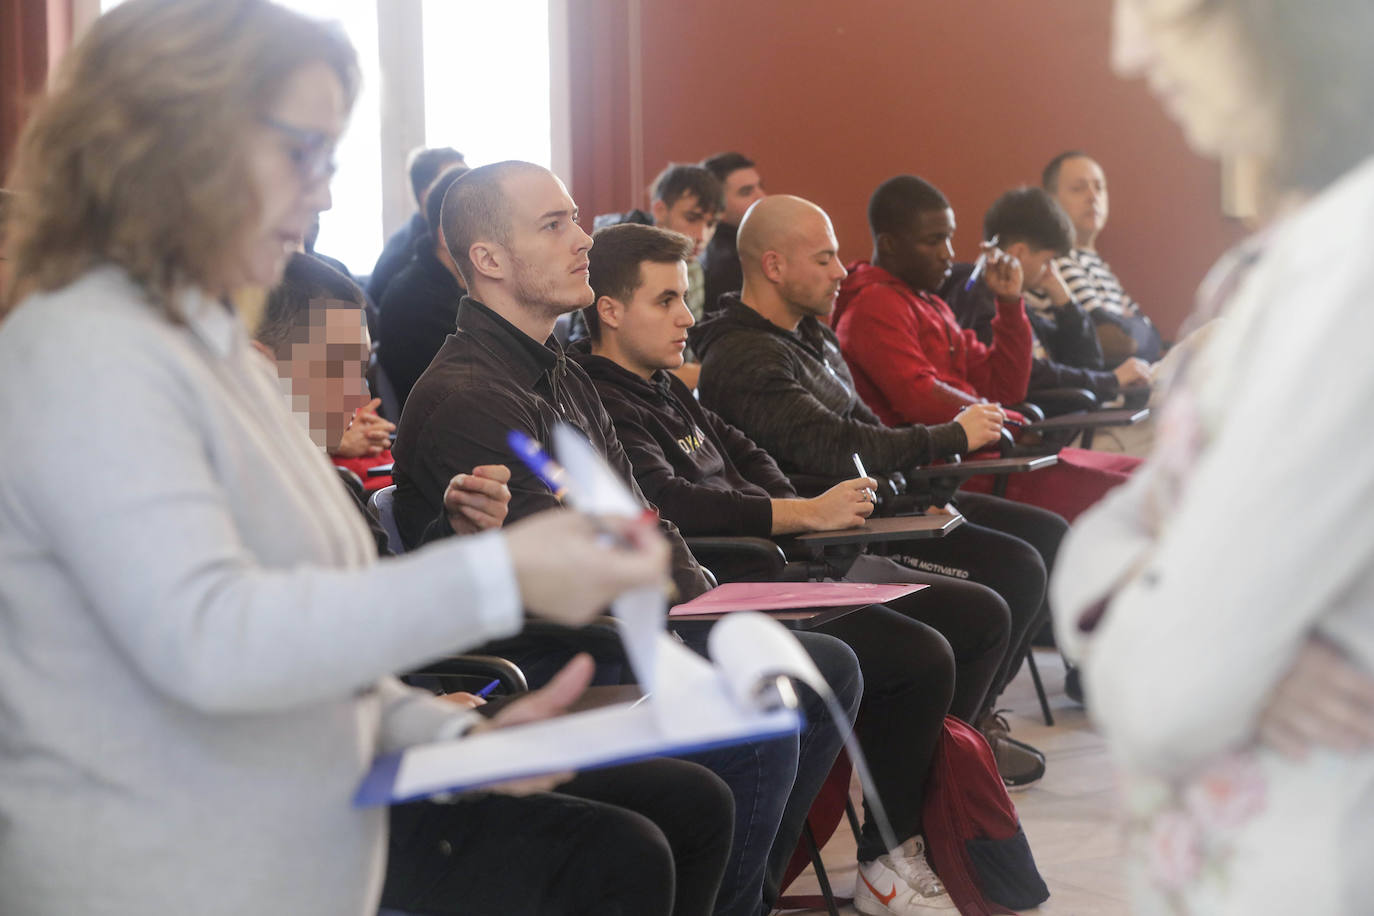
[(195, 635)]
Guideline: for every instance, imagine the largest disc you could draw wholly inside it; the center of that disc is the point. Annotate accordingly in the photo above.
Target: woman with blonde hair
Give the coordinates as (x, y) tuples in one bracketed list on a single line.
[(194, 675), (1223, 600)]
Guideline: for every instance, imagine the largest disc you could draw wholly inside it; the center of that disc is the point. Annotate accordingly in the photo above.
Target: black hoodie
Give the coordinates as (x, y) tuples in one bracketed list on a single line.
[(487, 379), (418, 313), (704, 475), (792, 393)]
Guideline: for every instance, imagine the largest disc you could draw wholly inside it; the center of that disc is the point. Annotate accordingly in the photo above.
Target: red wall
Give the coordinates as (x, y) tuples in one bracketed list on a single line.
[(831, 98)]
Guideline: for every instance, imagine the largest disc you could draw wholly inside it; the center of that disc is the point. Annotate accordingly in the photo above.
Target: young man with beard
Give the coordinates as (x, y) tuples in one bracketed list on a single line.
[(512, 230)]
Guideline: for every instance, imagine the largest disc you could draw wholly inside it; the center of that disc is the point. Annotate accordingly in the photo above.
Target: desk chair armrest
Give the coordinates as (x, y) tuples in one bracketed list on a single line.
[(761, 553), (1055, 401), (468, 672)]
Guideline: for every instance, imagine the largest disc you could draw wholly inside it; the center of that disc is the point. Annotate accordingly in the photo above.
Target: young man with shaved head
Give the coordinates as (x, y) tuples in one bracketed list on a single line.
[(772, 367), (512, 230)]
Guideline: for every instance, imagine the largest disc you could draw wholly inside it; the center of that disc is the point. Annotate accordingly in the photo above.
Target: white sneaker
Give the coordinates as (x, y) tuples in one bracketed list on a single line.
[(901, 883)]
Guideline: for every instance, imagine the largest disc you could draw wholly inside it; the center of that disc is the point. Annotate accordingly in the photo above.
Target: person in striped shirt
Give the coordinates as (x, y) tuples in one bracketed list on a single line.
[(1124, 330)]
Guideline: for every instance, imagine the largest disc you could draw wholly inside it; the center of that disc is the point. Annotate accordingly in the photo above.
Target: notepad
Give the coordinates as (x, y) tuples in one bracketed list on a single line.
[(697, 706), (782, 596)]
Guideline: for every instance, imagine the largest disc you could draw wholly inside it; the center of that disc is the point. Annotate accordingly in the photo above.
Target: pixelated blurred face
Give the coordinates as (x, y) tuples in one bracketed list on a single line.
[(811, 268), (742, 188), (689, 216), (290, 159), (1082, 192), (1192, 54), (327, 368), (653, 326), (926, 249), (548, 247)]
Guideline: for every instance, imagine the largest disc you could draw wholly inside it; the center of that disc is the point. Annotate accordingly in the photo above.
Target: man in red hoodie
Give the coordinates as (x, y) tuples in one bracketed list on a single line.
[(911, 360), (913, 363)]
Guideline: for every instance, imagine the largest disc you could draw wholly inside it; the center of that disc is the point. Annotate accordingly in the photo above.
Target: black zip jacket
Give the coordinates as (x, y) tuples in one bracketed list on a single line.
[(701, 472), (489, 378), (793, 395)]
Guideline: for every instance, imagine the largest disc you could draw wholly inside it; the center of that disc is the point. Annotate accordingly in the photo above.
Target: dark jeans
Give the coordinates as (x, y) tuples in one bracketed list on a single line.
[(1007, 547), (646, 838), (923, 656), (770, 806), (773, 782)]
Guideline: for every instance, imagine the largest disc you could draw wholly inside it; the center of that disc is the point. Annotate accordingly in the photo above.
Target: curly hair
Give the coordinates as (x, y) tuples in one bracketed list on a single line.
[(138, 155)]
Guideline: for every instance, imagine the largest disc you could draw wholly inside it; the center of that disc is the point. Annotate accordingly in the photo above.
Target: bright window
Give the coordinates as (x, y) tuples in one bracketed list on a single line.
[(495, 54)]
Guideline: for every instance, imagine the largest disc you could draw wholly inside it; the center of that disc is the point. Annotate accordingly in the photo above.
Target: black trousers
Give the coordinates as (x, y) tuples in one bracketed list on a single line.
[(923, 656), (1008, 547), (646, 838)]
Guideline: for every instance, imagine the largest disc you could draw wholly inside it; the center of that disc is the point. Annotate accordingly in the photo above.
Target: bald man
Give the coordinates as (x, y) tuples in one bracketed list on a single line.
[(771, 366), (511, 228)]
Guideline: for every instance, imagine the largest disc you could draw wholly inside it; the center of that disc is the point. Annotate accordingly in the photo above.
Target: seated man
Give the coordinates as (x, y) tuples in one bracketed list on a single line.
[(773, 369), (709, 479), (743, 186), (423, 167), (313, 329), (1124, 330), (1035, 230), (913, 363), (420, 306), (686, 199), (511, 228)]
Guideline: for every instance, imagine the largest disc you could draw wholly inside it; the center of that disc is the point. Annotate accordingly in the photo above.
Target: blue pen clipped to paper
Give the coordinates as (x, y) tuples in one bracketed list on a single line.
[(539, 462)]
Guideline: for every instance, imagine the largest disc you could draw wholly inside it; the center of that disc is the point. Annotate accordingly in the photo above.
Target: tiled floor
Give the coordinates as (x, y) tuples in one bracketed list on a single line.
[(1069, 815)]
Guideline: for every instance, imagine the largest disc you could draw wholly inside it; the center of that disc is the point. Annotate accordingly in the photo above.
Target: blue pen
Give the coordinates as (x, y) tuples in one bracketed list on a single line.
[(538, 461), (978, 266), (486, 691)]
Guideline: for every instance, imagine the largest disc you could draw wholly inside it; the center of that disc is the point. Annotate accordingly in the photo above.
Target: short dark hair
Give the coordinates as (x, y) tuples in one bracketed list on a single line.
[(306, 279), (722, 165), (1032, 216), (1049, 178), (678, 180), (895, 204), (615, 259), (434, 204), (424, 165), (475, 209)]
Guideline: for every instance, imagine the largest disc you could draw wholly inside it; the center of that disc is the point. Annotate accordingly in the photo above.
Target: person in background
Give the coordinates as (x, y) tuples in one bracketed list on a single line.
[(1031, 227), (687, 199), (739, 177), (423, 166), (1123, 329), (1228, 662), (196, 676), (421, 303)]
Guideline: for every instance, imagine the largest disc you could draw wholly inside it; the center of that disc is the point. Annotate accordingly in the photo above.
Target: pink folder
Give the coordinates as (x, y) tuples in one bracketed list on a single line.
[(784, 596)]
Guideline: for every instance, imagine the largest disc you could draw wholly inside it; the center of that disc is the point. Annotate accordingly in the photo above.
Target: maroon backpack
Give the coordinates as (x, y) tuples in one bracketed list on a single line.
[(973, 836)]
